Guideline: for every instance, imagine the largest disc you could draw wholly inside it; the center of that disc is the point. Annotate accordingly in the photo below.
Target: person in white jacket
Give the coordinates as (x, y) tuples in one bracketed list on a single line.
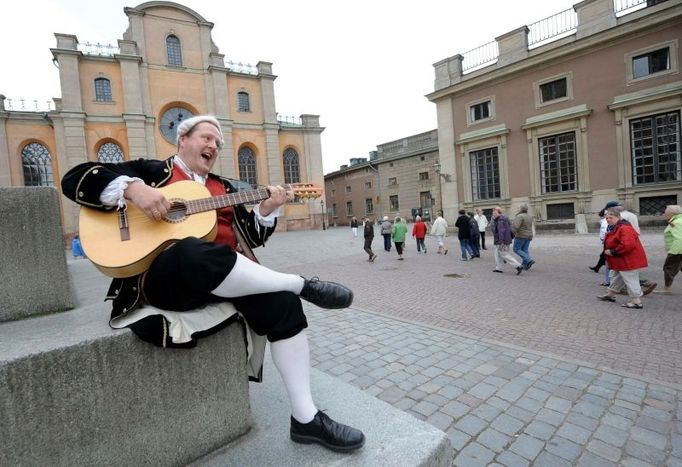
[(482, 222), (439, 230)]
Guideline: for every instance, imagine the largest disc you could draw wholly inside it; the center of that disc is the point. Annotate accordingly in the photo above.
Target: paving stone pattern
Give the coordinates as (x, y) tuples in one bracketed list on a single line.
[(500, 404)]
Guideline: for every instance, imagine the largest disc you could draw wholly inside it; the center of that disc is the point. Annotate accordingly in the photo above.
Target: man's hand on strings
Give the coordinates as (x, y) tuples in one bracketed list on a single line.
[(150, 200)]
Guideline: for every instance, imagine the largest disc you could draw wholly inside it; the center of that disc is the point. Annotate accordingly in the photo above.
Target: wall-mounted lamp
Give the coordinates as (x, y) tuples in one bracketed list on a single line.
[(436, 168)]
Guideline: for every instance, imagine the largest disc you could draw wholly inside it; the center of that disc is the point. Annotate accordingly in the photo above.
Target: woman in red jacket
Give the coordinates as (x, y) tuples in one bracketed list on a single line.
[(625, 257)]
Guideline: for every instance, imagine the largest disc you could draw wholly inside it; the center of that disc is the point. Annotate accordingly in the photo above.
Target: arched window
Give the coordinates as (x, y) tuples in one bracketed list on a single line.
[(247, 166), (110, 152), (243, 101), (37, 165), (103, 90), (292, 173), (173, 50)]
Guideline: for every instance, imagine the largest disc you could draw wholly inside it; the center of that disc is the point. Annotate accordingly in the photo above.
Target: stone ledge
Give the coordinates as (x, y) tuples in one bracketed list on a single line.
[(394, 438), (75, 392)]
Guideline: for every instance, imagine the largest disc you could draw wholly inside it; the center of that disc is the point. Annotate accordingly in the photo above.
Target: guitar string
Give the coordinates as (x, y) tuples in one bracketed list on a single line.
[(183, 205)]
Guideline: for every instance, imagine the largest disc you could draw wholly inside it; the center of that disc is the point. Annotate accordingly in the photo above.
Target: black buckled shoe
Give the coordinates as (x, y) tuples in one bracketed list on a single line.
[(326, 294), (325, 431)]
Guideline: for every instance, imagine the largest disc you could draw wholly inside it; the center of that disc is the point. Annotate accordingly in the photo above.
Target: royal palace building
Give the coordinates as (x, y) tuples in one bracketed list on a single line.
[(566, 114), (124, 102)]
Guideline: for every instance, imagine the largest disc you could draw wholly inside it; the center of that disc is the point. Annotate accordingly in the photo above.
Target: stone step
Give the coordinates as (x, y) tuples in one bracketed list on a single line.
[(394, 438), (75, 392)]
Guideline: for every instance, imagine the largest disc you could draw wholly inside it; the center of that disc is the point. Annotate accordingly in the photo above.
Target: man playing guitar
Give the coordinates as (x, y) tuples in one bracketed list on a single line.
[(193, 273)]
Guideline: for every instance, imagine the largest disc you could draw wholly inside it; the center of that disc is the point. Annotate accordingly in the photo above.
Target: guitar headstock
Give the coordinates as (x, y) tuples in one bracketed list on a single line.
[(305, 190)]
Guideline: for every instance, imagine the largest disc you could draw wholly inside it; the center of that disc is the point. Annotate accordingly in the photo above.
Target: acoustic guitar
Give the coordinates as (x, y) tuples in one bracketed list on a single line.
[(124, 242)]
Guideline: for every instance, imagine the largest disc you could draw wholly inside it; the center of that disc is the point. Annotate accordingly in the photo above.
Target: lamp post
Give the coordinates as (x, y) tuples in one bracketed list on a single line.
[(436, 168), (324, 214)]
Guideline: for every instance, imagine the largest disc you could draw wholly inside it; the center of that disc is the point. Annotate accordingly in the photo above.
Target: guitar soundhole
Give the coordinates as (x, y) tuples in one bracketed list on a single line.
[(177, 212)]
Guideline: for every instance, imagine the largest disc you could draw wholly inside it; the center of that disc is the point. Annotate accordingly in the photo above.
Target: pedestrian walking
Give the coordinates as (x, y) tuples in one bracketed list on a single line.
[(398, 234), (522, 228), (419, 233), (482, 222), (625, 256), (386, 230), (502, 238), (475, 236), (672, 238), (354, 226), (368, 228), (440, 230), (463, 234), (603, 225), (77, 248), (647, 285)]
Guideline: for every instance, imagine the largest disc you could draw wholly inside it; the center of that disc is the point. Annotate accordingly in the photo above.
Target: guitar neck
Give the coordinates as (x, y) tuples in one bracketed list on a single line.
[(228, 199)]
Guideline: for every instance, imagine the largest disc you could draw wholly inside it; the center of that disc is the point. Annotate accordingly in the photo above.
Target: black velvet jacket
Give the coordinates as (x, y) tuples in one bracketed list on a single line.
[(84, 184)]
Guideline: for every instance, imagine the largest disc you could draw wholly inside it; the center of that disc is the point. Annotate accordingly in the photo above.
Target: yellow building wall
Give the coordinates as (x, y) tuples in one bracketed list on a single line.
[(174, 88), (91, 69), (97, 134), (237, 84), (255, 139), (19, 134), (157, 29)]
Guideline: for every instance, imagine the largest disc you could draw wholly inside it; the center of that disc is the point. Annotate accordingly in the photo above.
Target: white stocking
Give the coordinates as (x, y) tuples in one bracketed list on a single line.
[(292, 358), (250, 278)]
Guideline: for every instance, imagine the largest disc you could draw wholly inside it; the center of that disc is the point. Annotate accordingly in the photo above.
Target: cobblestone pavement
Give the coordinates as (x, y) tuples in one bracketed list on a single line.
[(501, 405), (551, 308), (518, 370)]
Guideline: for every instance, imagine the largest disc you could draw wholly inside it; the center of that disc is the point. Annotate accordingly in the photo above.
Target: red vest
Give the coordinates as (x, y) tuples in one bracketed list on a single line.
[(225, 234)]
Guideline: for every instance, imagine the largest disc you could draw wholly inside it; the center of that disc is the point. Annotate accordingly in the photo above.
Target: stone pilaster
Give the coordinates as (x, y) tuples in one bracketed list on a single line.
[(594, 16), (312, 145), (267, 84), (225, 165), (448, 72), (67, 56), (5, 176), (216, 90), (272, 155), (129, 61), (513, 46), (137, 136), (447, 159)]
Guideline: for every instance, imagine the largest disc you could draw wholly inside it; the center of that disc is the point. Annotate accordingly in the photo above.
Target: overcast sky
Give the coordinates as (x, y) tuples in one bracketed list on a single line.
[(364, 66)]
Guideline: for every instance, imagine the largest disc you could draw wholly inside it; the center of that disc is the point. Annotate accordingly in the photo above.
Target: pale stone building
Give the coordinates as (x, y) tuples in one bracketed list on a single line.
[(400, 177), (566, 114), (124, 102)]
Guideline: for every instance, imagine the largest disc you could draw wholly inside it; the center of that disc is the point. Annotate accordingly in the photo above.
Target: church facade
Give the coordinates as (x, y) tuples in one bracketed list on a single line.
[(125, 102)]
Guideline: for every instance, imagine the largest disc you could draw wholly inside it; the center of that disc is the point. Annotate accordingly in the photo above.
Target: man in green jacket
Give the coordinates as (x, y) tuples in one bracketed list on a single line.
[(672, 237), (398, 234)]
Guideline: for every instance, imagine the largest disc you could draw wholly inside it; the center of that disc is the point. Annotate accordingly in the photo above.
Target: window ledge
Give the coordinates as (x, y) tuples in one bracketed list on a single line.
[(658, 92), (560, 115), (483, 133)]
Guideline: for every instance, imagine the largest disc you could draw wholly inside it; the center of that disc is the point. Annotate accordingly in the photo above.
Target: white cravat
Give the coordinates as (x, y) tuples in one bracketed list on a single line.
[(189, 172)]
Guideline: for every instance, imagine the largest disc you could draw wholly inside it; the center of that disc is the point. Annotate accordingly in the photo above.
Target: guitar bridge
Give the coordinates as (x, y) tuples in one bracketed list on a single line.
[(123, 228)]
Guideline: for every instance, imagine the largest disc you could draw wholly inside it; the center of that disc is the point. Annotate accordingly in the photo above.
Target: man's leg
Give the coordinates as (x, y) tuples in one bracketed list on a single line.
[(280, 316), (498, 258), (483, 241), (193, 272), (520, 245), (672, 265)]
